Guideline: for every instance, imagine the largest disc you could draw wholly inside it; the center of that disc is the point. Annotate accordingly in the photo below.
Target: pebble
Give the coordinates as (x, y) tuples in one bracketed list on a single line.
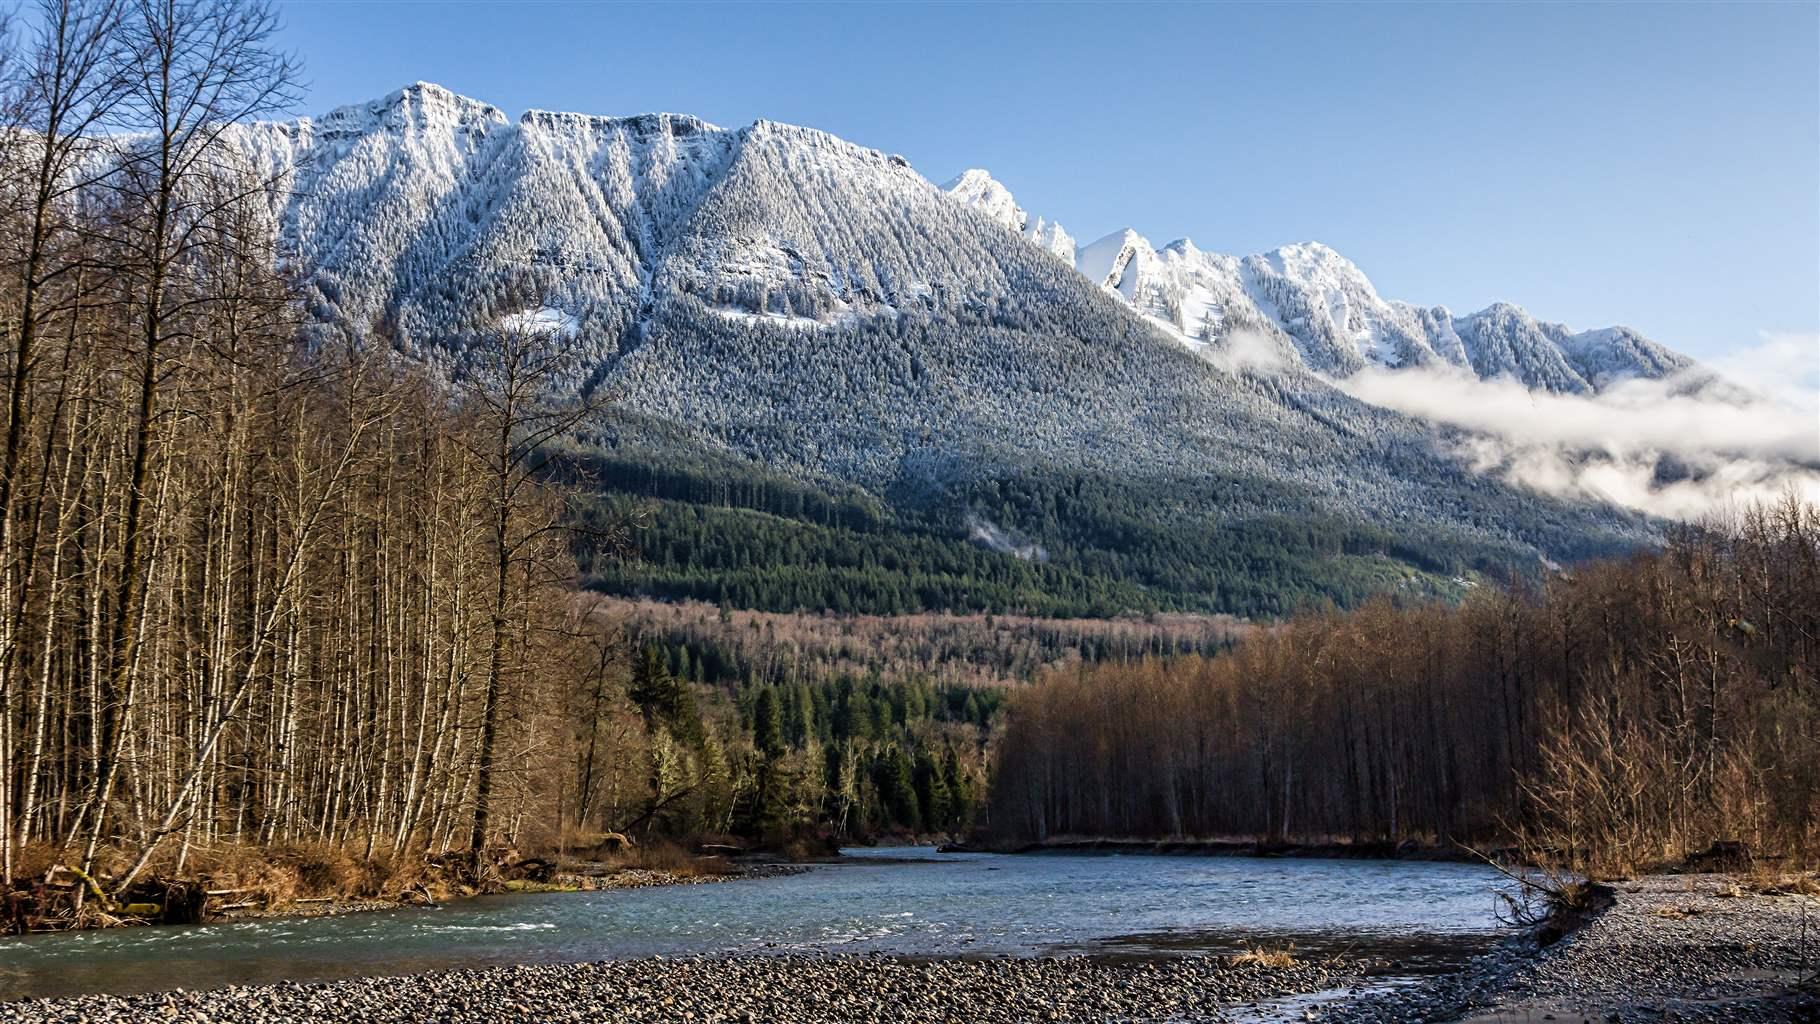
[(836, 989)]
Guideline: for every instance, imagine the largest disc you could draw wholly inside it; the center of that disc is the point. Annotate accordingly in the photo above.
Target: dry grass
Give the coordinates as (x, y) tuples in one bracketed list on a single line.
[(1263, 956), (33, 860), (281, 874), (1764, 882), (669, 858)]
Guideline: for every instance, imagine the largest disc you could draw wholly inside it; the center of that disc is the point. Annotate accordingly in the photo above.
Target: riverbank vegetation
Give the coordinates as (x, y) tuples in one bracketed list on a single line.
[(1618, 716), (269, 589), (254, 592)]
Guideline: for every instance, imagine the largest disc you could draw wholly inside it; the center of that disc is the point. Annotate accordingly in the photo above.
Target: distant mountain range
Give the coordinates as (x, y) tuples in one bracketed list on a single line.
[(775, 297), (1319, 309)]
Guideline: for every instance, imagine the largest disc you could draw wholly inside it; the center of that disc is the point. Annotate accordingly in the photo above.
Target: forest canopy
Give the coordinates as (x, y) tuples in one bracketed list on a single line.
[(1623, 715)]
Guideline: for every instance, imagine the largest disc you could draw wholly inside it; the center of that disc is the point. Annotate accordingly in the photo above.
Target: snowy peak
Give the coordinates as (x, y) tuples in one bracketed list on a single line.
[(1609, 354), (1107, 261), (979, 190), (638, 125), (418, 107), (1314, 262), (1309, 300), (982, 191), (1340, 323), (1504, 340), (1052, 239), (425, 215), (426, 200)]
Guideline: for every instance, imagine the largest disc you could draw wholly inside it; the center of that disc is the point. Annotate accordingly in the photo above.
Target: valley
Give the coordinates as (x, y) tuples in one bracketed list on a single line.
[(461, 565)]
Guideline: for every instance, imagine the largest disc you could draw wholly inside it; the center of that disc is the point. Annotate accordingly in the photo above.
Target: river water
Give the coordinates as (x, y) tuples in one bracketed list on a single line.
[(910, 902)]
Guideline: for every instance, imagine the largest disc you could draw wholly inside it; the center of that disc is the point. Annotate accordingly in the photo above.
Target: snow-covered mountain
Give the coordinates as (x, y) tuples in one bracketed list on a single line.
[(1316, 306), (982, 191), (779, 295)]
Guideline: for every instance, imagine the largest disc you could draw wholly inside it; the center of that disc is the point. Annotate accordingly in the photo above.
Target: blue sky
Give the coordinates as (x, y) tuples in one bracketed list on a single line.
[(1656, 166)]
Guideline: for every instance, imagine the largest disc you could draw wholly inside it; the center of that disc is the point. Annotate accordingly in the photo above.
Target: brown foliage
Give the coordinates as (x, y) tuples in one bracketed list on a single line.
[(1627, 714), (668, 858), (975, 650), (258, 587), (1264, 956)]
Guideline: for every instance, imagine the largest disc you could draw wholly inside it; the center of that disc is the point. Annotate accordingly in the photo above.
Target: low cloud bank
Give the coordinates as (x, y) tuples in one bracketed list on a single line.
[(988, 534), (1246, 349), (1684, 447)]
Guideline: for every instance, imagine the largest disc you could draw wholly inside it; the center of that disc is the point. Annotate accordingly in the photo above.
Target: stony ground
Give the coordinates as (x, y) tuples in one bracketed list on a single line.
[(1691, 948), (749, 990)]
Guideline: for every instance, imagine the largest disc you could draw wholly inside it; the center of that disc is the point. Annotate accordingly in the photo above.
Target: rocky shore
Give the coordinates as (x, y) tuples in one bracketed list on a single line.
[(1682, 948), (1676, 948), (745, 990)]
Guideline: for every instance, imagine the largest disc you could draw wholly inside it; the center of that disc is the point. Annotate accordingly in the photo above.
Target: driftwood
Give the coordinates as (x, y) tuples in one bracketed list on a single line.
[(531, 869), (601, 844), (69, 897)]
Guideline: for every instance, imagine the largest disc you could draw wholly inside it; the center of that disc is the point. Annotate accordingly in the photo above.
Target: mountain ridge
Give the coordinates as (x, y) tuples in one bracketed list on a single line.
[(1326, 314), (777, 297)]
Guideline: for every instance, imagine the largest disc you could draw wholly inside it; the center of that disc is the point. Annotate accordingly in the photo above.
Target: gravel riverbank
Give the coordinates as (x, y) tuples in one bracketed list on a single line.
[(1683, 949), (1687, 948), (748, 990)]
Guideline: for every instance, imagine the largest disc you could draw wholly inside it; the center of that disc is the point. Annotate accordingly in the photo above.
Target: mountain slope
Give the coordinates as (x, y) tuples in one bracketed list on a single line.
[(1316, 305), (774, 296)]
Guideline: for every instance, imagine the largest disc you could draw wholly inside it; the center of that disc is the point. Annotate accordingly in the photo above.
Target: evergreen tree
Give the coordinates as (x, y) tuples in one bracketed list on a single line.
[(932, 794), (970, 710), (800, 716), (767, 724), (665, 700), (716, 786), (960, 788), (897, 788)]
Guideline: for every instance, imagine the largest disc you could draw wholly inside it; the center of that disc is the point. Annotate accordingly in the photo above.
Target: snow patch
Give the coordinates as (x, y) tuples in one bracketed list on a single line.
[(842, 316), (542, 320), (739, 314)]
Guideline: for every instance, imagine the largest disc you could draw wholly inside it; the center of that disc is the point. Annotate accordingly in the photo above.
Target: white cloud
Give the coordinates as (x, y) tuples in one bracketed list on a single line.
[(1682, 447), (1245, 349), (1785, 367), (987, 533)]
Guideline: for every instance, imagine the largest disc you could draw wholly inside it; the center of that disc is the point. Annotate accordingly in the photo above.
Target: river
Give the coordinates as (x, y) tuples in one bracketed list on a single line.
[(906, 902)]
